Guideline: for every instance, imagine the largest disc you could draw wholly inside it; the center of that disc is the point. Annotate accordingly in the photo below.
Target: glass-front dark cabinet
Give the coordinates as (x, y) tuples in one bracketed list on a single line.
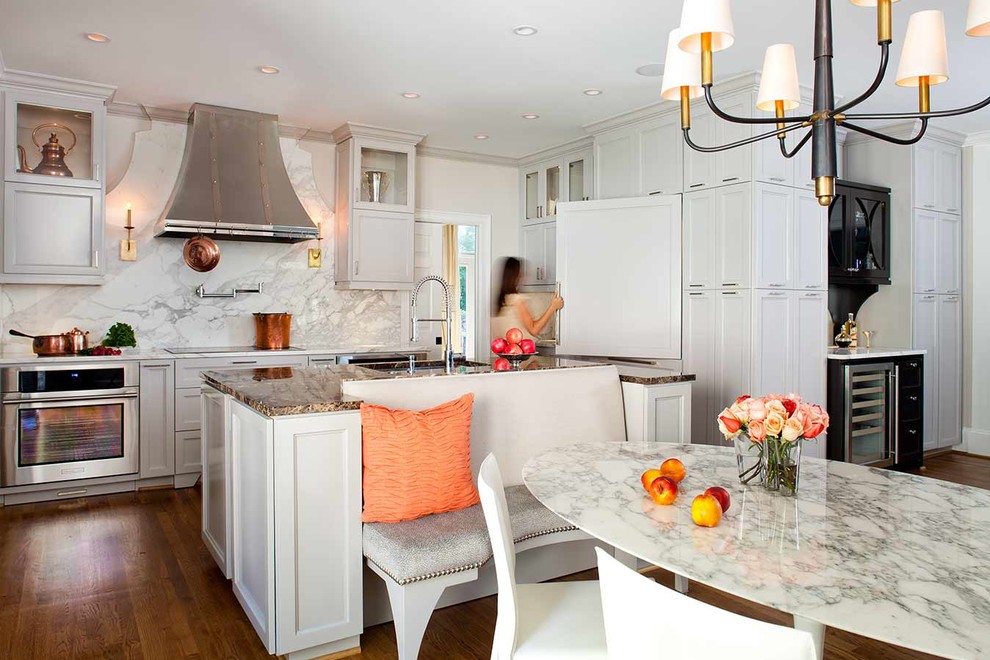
[(859, 234)]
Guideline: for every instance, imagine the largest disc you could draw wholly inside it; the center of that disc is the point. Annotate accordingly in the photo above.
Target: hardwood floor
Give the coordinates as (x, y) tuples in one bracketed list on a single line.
[(127, 576)]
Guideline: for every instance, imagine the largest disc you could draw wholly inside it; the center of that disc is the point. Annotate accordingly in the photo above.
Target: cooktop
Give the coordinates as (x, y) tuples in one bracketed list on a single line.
[(188, 350)]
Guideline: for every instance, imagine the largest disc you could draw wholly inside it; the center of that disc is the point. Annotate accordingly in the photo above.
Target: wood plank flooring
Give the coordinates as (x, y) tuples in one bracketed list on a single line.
[(127, 576)]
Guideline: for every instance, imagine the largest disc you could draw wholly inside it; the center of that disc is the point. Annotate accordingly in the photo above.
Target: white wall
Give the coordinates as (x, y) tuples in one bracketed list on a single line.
[(976, 311)]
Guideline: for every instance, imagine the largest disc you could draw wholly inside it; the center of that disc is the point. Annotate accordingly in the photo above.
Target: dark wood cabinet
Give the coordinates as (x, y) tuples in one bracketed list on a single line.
[(859, 234)]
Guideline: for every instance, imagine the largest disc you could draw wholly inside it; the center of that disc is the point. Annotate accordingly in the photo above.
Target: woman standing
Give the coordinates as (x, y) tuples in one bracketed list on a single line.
[(511, 310)]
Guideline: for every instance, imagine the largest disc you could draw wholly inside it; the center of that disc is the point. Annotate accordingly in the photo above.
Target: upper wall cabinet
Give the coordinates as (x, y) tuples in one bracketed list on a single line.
[(375, 201), (561, 179), (643, 159), (53, 187), (938, 177), (859, 235)]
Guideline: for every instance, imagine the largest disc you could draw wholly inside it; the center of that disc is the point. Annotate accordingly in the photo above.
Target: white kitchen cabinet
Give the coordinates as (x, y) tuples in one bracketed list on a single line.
[(948, 178), (949, 371), (734, 165), (299, 582), (926, 251), (543, 186), (187, 409), (699, 239), (539, 249), (374, 240), (616, 171), (699, 359), (925, 166), (773, 313), (948, 276), (52, 234), (925, 329), (657, 413), (661, 156), (216, 477), (579, 176), (733, 346), (188, 452), (810, 242), (774, 236), (733, 236), (157, 420), (809, 375), (699, 167), (771, 166), (530, 186)]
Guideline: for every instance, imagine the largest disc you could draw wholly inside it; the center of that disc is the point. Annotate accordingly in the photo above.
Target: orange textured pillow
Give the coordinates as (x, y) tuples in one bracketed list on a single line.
[(417, 463)]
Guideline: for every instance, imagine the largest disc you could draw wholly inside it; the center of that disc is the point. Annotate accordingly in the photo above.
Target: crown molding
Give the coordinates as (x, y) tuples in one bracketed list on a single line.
[(45, 83), (353, 129), (466, 156), (563, 149), (979, 139)]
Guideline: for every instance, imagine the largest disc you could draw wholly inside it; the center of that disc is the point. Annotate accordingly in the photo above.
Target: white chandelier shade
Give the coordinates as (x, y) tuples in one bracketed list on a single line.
[(925, 53), (779, 81), (978, 22), (680, 69), (700, 17)]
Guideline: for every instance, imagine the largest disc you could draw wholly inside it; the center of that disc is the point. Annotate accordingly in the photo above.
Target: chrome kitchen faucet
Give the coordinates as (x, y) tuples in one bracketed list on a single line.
[(447, 320)]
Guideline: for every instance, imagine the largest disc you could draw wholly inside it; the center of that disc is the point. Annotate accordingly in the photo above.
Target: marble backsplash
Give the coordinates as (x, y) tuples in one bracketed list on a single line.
[(156, 294)]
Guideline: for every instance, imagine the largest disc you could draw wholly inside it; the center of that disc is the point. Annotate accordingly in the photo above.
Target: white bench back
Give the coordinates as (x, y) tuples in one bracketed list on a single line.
[(516, 415)]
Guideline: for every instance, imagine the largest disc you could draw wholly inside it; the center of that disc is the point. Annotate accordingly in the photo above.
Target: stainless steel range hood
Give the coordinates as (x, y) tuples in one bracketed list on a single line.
[(232, 183)]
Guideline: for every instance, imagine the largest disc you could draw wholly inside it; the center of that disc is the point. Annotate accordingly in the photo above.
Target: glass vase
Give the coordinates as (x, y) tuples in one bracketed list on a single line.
[(749, 459), (781, 465)]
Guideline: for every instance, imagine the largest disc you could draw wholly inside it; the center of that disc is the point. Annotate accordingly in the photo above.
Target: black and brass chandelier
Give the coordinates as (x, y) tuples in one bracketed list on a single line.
[(706, 27)]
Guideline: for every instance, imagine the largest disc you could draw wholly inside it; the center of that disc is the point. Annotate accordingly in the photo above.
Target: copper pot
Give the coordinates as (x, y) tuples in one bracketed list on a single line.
[(48, 345), (201, 253), (78, 340), (272, 331)]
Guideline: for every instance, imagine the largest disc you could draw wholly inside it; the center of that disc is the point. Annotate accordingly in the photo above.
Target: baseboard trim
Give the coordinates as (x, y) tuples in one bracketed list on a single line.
[(976, 442)]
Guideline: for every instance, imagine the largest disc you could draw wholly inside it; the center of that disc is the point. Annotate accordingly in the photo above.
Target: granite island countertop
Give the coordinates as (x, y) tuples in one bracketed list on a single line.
[(278, 391)]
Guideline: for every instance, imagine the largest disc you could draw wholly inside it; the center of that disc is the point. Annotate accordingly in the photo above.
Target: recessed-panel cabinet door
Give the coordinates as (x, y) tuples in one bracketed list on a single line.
[(774, 236), (733, 238), (615, 164), (699, 168), (699, 240), (810, 357), (733, 346), (949, 371), (549, 253), (948, 183), (382, 247), (926, 251), (773, 369), (534, 254), (771, 166), (734, 165), (926, 338), (925, 164), (948, 278), (811, 238), (699, 359), (661, 149)]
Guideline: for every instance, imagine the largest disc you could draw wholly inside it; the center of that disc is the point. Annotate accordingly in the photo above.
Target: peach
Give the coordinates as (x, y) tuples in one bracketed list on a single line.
[(720, 494), (648, 478), (663, 490), (673, 468), (706, 511)]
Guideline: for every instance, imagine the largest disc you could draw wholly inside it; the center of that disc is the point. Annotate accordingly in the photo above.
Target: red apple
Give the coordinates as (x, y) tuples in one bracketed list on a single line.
[(502, 364), (528, 346), (514, 335), (499, 345), (514, 349), (720, 494), (663, 490)]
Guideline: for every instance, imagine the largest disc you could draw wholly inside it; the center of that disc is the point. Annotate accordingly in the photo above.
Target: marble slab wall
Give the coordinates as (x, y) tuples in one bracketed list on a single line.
[(156, 294)]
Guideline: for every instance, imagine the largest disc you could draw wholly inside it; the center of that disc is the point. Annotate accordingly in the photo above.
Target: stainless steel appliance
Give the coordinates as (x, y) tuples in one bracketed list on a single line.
[(376, 358), (68, 421), (871, 430)]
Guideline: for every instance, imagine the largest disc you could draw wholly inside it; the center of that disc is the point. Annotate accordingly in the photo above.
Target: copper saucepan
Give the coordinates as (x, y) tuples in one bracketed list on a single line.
[(45, 345), (201, 253)]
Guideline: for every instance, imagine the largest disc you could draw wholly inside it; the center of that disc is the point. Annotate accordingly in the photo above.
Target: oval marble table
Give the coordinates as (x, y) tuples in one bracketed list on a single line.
[(891, 556)]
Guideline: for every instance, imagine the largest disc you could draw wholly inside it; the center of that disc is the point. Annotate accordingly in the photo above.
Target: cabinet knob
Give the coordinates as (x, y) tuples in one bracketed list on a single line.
[(913, 398)]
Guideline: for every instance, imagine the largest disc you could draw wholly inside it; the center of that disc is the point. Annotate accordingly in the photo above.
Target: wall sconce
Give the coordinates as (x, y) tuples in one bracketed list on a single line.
[(128, 247), (316, 254)]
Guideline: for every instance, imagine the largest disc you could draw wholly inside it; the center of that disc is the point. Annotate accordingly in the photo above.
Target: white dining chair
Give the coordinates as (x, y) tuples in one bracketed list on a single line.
[(553, 620), (644, 619)]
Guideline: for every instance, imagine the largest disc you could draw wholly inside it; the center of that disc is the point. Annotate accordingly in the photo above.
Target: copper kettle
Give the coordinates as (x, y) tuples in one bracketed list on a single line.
[(52, 153)]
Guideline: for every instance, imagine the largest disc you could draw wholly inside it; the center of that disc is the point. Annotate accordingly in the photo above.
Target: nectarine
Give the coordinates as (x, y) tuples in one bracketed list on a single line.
[(673, 468), (648, 478), (663, 490), (706, 511)]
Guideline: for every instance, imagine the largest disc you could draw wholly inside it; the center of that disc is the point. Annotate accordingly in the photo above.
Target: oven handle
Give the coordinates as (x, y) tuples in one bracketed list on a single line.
[(77, 397)]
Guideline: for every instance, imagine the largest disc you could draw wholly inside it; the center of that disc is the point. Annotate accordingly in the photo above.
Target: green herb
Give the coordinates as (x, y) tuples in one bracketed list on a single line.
[(119, 334)]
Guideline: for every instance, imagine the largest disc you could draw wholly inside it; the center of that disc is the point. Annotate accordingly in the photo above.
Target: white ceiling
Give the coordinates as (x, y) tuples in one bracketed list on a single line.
[(351, 60)]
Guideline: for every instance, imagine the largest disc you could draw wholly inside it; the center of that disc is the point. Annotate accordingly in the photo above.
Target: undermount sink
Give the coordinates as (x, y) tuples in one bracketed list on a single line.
[(432, 367)]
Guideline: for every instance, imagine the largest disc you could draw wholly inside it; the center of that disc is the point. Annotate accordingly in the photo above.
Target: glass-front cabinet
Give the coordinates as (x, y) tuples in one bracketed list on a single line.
[(384, 175), (579, 179), (859, 234), (545, 184)]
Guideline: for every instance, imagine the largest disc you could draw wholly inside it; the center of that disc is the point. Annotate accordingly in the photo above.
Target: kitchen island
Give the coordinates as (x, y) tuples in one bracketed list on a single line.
[(282, 469)]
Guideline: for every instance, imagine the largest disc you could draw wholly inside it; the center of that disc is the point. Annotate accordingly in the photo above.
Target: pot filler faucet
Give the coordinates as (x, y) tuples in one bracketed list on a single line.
[(447, 320)]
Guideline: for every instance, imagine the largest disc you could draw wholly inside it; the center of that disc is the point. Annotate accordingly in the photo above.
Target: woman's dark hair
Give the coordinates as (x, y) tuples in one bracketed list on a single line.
[(510, 279)]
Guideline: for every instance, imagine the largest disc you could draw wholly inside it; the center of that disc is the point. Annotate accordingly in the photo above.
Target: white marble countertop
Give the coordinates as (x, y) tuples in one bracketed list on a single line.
[(871, 353), (12, 358), (887, 555)]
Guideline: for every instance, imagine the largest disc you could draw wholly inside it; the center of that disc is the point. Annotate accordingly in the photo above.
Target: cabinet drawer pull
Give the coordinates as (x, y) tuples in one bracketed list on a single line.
[(774, 286), (156, 366), (929, 290), (929, 206), (730, 293), (71, 493), (730, 283), (696, 185), (812, 295), (356, 268), (928, 298), (696, 285), (810, 286), (731, 178), (953, 210), (655, 192), (777, 178), (244, 362), (696, 293), (777, 294)]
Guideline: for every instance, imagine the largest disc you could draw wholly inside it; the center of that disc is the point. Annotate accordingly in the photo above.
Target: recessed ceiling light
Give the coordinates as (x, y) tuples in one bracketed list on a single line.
[(651, 70), (97, 37), (592, 92), (271, 70), (410, 95), (530, 116), (481, 136), (525, 30)]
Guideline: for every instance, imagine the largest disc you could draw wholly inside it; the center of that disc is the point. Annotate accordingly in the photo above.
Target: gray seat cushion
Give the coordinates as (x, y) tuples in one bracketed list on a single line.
[(452, 542)]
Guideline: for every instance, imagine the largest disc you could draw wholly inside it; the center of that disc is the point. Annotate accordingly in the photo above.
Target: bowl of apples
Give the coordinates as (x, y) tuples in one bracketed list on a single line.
[(512, 349)]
